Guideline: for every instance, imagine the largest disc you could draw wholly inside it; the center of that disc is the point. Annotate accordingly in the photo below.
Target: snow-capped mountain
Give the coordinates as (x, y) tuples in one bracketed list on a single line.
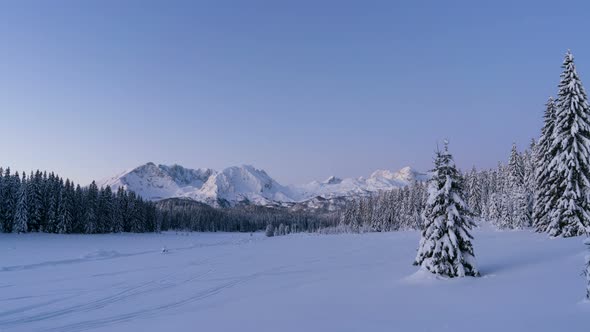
[(155, 182), (248, 184), (243, 183)]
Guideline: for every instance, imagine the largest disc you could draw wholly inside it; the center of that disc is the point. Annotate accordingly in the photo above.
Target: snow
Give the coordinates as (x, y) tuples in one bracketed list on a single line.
[(238, 183), (239, 282)]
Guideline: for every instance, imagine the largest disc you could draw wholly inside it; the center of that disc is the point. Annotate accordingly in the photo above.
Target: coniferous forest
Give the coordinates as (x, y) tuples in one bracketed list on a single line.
[(43, 202)]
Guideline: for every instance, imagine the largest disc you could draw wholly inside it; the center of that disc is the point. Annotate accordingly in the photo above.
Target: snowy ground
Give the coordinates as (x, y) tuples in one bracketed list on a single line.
[(234, 282)]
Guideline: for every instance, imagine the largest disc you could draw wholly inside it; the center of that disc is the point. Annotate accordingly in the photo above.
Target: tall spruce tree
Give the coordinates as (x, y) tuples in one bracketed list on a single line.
[(474, 187), (10, 186), (445, 247), (65, 209), (34, 200), (545, 150), (571, 163), (91, 212), (516, 201), (21, 215), (515, 169)]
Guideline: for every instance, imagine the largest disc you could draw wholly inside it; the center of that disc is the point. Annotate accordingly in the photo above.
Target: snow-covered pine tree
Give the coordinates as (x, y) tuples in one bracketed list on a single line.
[(90, 217), (21, 217), (545, 151), (78, 210), (34, 200), (515, 204), (474, 187), (65, 208), (445, 247), (270, 230), (506, 218), (379, 212), (282, 229), (119, 210), (571, 214), (357, 220), (515, 169), (521, 217), (10, 197), (105, 210)]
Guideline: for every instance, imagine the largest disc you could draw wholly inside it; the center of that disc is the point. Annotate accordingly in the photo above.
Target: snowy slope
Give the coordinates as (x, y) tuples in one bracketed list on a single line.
[(155, 182), (235, 282), (247, 183), (240, 183)]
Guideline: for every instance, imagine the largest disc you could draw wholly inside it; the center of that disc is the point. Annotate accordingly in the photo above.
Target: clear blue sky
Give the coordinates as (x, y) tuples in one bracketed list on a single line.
[(303, 89)]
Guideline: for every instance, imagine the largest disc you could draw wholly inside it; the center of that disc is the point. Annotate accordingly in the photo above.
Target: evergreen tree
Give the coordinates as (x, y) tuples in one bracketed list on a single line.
[(282, 229), (474, 188), (521, 214), (515, 169), (119, 210), (78, 210), (105, 210), (571, 214), (445, 247), (21, 217), (65, 211), (52, 215), (34, 200), (91, 204), (10, 185), (506, 218), (515, 208), (545, 150), (270, 230)]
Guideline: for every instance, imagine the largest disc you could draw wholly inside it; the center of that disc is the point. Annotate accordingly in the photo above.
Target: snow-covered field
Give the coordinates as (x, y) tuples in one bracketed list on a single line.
[(238, 282)]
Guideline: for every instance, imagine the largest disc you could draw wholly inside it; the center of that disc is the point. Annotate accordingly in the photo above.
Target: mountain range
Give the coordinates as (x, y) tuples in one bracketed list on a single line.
[(247, 184)]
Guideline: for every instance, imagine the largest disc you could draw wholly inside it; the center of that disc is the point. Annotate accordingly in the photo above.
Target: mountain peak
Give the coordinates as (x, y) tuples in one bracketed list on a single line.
[(333, 180)]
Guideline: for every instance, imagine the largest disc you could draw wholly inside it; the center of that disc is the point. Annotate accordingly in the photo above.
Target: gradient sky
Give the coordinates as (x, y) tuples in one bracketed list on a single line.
[(302, 89)]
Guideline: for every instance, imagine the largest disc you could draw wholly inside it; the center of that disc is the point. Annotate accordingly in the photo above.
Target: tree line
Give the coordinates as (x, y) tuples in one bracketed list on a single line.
[(187, 214), (44, 202)]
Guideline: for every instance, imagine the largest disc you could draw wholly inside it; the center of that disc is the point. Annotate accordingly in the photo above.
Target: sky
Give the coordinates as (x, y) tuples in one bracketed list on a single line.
[(303, 89)]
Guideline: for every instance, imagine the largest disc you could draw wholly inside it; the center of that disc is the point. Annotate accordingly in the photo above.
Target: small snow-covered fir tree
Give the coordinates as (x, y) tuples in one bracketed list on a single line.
[(282, 229), (21, 217), (446, 248), (515, 169), (570, 182), (544, 153), (270, 230)]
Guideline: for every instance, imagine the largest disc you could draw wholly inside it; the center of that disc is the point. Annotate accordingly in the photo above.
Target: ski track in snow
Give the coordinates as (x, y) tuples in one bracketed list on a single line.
[(221, 282)]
